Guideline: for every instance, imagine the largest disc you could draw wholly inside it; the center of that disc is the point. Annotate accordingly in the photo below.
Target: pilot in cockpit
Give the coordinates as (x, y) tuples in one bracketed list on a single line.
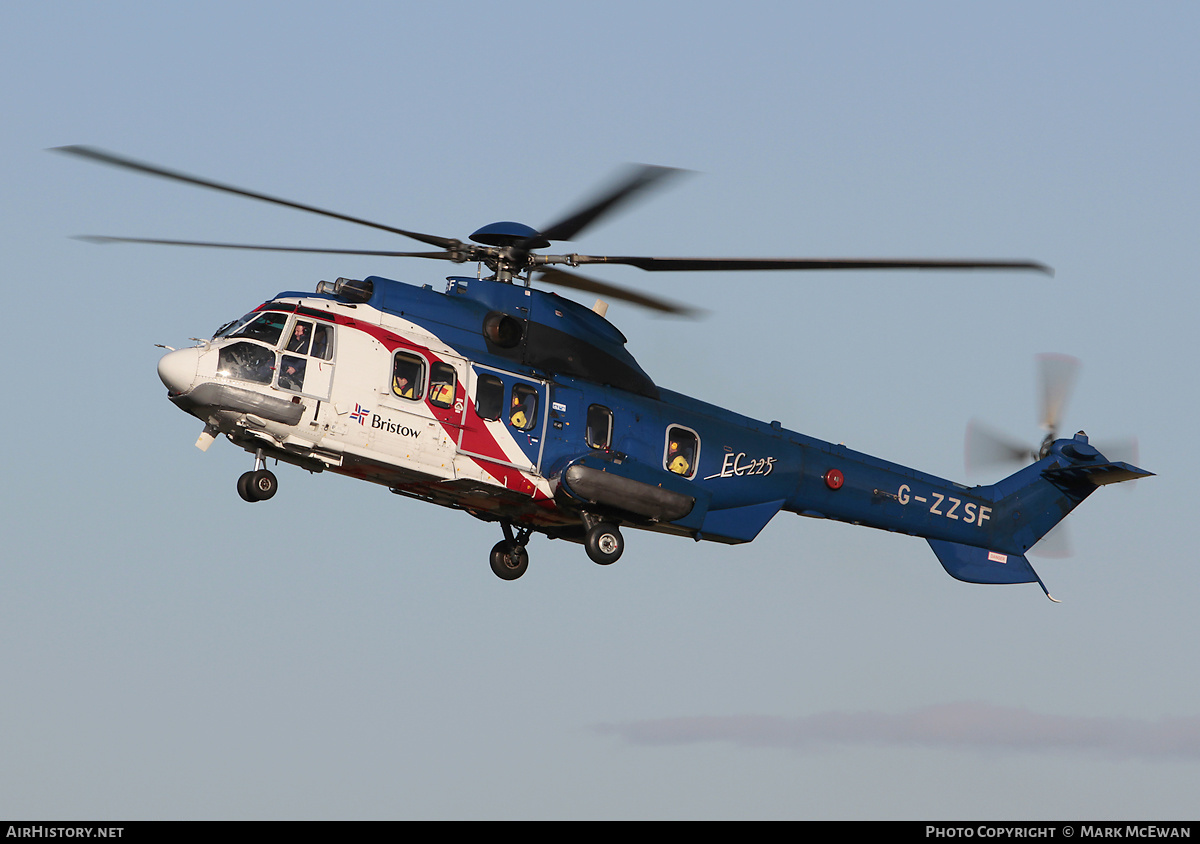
[(300, 338)]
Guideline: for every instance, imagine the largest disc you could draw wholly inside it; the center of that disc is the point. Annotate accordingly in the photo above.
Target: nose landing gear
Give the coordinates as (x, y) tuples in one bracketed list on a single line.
[(259, 484)]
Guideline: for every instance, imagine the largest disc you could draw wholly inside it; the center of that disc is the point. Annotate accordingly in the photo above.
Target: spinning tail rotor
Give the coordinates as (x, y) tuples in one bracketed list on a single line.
[(987, 448)]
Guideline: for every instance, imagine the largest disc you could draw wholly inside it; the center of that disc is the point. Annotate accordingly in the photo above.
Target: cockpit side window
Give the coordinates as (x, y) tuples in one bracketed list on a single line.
[(291, 372), (301, 337), (306, 340), (682, 451), (408, 376), (322, 344)]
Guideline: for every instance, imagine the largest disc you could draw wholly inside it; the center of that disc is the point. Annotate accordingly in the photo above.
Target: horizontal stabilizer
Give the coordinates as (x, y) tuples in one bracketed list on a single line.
[(979, 565), (1098, 474)]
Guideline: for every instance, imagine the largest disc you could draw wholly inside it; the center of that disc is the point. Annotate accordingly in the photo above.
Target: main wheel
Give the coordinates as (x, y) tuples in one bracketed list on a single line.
[(604, 544), (509, 559)]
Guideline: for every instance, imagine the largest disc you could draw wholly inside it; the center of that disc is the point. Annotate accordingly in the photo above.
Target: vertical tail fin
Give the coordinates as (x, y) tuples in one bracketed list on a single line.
[(1028, 504)]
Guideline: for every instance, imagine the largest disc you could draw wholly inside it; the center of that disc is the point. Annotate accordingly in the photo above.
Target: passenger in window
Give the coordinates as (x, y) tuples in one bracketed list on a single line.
[(523, 410), (406, 378), (441, 385), (442, 394), (679, 457), (402, 385), (517, 416)]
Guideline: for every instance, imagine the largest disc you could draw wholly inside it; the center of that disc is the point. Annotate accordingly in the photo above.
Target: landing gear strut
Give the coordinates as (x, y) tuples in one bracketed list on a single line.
[(260, 484), (509, 558)]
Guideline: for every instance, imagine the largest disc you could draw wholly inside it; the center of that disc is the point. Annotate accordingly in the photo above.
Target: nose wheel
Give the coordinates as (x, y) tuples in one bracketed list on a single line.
[(259, 484)]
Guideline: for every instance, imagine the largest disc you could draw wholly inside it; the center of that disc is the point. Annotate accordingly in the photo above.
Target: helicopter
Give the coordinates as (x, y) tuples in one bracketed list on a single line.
[(524, 408)]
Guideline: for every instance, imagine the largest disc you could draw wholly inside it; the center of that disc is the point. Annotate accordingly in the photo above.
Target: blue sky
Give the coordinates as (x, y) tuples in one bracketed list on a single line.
[(171, 652)]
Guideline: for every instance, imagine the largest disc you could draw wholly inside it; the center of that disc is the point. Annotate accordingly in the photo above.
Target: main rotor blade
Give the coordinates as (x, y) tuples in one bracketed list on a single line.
[(730, 264), (639, 178), (1056, 377), (103, 239), (152, 170), (578, 282)]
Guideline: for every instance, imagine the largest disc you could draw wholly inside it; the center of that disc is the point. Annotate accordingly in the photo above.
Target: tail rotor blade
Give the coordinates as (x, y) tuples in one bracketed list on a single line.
[(1056, 374), (987, 448), (1119, 451)]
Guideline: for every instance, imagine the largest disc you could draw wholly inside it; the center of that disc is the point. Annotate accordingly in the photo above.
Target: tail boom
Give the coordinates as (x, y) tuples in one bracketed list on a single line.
[(980, 534)]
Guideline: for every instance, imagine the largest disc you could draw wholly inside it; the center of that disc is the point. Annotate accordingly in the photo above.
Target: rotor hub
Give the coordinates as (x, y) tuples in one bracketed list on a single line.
[(508, 233)]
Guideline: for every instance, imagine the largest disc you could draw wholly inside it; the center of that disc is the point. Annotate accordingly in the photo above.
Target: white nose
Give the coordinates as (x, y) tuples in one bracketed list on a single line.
[(178, 369)]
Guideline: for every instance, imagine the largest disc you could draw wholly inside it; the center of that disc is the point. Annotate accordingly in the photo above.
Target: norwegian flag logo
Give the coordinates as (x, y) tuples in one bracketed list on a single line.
[(360, 413)]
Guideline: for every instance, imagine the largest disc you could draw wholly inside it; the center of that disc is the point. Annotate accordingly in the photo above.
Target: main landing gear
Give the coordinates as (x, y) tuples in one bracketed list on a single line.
[(259, 484), (604, 543), (602, 540), (510, 559)]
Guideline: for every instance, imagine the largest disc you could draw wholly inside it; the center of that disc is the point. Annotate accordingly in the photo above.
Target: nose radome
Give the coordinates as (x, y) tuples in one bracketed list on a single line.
[(177, 370)]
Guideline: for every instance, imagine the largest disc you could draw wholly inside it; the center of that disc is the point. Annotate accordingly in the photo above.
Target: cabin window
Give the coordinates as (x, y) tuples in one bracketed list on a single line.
[(441, 384), (489, 397), (682, 451), (599, 426), (246, 362), (267, 327), (408, 376), (522, 410)]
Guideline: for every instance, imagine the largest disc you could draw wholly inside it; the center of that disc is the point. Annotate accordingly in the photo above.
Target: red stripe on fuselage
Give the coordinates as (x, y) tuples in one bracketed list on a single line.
[(476, 437)]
